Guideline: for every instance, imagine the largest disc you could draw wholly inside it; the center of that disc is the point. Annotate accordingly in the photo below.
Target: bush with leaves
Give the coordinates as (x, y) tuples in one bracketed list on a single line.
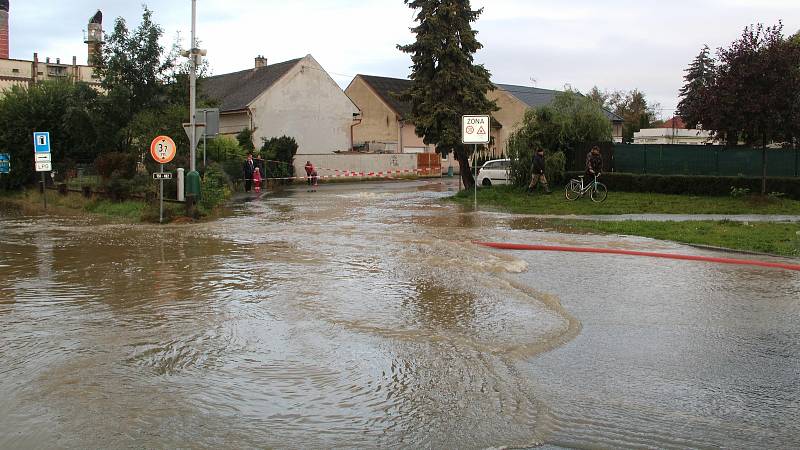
[(115, 165), (560, 128), (282, 150), (216, 188)]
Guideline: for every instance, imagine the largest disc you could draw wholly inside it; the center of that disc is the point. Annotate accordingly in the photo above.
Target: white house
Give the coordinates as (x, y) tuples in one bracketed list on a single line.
[(664, 136), (296, 98)]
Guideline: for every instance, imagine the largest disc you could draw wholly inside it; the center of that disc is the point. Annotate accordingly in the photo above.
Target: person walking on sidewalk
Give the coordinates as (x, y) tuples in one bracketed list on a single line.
[(537, 172)]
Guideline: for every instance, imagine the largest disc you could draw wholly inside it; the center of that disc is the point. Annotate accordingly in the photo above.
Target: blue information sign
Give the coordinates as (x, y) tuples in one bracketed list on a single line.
[(5, 163), (41, 142)]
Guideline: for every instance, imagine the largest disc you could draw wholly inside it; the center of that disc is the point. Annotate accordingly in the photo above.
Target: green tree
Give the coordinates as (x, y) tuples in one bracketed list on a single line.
[(755, 93), (281, 151), (135, 72), (446, 82), (700, 78), (567, 124), (60, 107), (636, 113), (245, 138)]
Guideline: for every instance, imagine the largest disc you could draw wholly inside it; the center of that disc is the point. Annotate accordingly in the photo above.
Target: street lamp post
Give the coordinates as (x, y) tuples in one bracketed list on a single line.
[(195, 55)]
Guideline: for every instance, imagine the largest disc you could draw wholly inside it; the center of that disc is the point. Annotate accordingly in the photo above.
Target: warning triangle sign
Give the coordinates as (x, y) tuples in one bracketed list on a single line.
[(481, 130)]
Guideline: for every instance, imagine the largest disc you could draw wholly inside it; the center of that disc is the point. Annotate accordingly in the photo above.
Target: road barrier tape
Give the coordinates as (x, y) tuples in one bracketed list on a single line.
[(355, 174), (547, 248)]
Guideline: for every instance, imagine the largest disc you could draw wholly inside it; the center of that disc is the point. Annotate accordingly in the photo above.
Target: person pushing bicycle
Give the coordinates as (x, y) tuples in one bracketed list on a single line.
[(594, 164)]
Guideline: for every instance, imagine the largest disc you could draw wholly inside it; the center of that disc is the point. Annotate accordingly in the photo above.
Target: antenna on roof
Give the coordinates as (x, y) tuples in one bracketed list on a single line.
[(533, 81)]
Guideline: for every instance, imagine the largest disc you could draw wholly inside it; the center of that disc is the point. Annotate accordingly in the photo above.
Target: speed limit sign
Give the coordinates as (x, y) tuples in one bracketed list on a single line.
[(162, 149)]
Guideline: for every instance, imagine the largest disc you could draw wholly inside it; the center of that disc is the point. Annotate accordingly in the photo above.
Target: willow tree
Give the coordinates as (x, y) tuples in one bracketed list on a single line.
[(446, 82)]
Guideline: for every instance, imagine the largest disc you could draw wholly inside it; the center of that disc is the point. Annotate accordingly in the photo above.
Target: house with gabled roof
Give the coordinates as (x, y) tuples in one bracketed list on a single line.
[(295, 98), (384, 118)]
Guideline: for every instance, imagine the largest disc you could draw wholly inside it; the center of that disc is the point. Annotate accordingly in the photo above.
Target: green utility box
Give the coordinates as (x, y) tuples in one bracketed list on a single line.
[(193, 184), (450, 171)]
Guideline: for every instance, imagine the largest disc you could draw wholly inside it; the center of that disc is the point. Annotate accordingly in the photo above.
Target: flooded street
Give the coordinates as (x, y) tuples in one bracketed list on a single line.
[(362, 315)]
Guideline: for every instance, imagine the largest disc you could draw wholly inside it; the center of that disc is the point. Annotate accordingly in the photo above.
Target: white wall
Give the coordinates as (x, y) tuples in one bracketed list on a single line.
[(308, 105), (366, 162)]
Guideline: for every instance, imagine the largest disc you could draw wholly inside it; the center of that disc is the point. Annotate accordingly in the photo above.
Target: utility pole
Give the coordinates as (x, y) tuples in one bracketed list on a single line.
[(193, 90), (195, 55)]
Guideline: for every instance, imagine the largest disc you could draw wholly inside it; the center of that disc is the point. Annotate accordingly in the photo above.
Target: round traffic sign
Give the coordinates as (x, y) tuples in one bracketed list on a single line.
[(162, 149)]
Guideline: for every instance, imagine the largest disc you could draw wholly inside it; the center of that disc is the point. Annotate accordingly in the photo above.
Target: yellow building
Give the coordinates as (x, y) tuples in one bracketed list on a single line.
[(384, 118), (19, 72)]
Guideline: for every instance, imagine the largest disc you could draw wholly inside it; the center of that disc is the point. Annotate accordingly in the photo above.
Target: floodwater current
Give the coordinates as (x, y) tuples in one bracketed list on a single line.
[(363, 316)]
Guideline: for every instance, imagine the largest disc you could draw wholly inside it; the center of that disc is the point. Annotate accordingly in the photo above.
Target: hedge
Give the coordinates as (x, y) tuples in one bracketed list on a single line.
[(694, 184)]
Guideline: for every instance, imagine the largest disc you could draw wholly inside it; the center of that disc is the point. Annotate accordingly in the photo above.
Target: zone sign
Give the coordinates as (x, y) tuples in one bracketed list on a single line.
[(475, 129)]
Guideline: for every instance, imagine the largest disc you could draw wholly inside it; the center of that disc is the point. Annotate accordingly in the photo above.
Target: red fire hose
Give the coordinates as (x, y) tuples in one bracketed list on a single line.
[(609, 251)]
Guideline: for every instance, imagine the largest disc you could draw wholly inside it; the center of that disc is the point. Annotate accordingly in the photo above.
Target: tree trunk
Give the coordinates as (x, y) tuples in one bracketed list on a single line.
[(764, 165), (464, 167)]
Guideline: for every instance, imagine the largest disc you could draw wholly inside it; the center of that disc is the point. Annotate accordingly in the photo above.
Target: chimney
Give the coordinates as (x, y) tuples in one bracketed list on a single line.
[(4, 29), (94, 37), (261, 62)]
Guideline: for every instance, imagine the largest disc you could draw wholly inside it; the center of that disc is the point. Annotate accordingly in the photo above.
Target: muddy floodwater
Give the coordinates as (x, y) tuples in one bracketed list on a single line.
[(364, 316)]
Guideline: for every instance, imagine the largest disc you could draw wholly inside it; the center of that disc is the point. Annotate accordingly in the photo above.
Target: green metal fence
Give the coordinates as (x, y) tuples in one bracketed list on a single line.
[(704, 160)]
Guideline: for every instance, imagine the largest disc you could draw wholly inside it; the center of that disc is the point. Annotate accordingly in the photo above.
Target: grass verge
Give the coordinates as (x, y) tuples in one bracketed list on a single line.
[(773, 238), (514, 200)]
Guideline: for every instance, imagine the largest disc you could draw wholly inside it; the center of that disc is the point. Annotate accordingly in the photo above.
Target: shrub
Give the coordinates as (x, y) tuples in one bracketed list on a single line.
[(115, 164), (216, 187), (693, 184), (281, 149)]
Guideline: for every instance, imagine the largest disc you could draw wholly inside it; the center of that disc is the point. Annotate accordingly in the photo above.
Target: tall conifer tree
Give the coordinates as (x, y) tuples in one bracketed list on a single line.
[(446, 81), (695, 93)]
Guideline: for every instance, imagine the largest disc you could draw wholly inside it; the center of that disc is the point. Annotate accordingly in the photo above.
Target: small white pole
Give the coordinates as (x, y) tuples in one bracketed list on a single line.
[(181, 181)]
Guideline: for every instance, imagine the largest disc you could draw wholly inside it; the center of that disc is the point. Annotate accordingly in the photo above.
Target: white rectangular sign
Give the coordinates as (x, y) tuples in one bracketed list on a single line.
[(475, 129), (43, 157), (44, 166)]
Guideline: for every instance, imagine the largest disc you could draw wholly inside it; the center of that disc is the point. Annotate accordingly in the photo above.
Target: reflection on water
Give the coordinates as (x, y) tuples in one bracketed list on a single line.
[(362, 316)]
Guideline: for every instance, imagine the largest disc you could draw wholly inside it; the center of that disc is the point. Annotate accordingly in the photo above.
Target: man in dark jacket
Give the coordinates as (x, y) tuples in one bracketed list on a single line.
[(248, 168), (594, 165), (537, 172)]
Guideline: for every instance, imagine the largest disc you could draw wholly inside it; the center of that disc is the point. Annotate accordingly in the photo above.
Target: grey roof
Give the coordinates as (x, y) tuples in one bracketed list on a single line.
[(535, 97), (388, 89), (235, 91)]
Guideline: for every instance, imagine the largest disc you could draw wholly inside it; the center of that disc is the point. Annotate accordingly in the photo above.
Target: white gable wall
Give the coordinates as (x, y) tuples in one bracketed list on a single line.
[(308, 105)]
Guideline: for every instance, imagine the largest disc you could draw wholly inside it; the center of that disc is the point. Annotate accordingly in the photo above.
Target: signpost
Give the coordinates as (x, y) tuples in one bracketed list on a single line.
[(163, 150), (475, 130), (42, 158), (5, 163)]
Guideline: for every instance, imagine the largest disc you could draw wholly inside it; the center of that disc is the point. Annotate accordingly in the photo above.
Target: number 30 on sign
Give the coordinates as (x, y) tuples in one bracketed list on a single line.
[(162, 149)]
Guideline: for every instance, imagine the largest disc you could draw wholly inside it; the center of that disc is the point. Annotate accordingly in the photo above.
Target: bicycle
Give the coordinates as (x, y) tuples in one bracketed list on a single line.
[(598, 191)]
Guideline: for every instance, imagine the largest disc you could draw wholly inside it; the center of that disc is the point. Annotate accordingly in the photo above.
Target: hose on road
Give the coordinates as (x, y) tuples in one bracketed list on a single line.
[(610, 251)]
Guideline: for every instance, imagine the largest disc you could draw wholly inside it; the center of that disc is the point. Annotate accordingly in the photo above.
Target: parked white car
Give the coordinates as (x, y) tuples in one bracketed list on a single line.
[(494, 172)]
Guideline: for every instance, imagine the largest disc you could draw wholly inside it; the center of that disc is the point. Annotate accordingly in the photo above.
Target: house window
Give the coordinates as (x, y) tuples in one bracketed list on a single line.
[(15, 70)]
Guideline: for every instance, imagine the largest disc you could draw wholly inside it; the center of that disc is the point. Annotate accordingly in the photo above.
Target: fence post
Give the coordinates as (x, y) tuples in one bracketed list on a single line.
[(644, 151), (796, 168), (716, 157)]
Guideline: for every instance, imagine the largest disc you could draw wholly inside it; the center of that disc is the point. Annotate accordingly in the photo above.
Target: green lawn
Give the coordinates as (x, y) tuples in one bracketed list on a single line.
[(506, 198), (774, 238)]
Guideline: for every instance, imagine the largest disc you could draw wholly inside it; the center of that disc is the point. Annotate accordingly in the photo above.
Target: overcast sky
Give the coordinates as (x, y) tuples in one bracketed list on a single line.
[(615, 44)]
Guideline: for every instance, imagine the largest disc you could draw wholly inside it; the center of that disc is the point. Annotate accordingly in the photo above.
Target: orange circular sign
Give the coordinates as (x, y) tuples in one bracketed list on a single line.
[(163, 149)]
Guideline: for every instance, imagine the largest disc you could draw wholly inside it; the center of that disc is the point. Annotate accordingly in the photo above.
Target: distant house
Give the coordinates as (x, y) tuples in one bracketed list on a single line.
[(674, 131), (515, 100), (384, 118), (384, 123), (296, 98)]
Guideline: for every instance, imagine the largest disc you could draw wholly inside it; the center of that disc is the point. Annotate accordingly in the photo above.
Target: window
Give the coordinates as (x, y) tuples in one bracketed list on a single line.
[(15, 70)]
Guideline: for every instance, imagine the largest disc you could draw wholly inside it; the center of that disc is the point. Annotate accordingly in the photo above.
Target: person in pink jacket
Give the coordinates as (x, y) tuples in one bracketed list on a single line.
[(257, 179)]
